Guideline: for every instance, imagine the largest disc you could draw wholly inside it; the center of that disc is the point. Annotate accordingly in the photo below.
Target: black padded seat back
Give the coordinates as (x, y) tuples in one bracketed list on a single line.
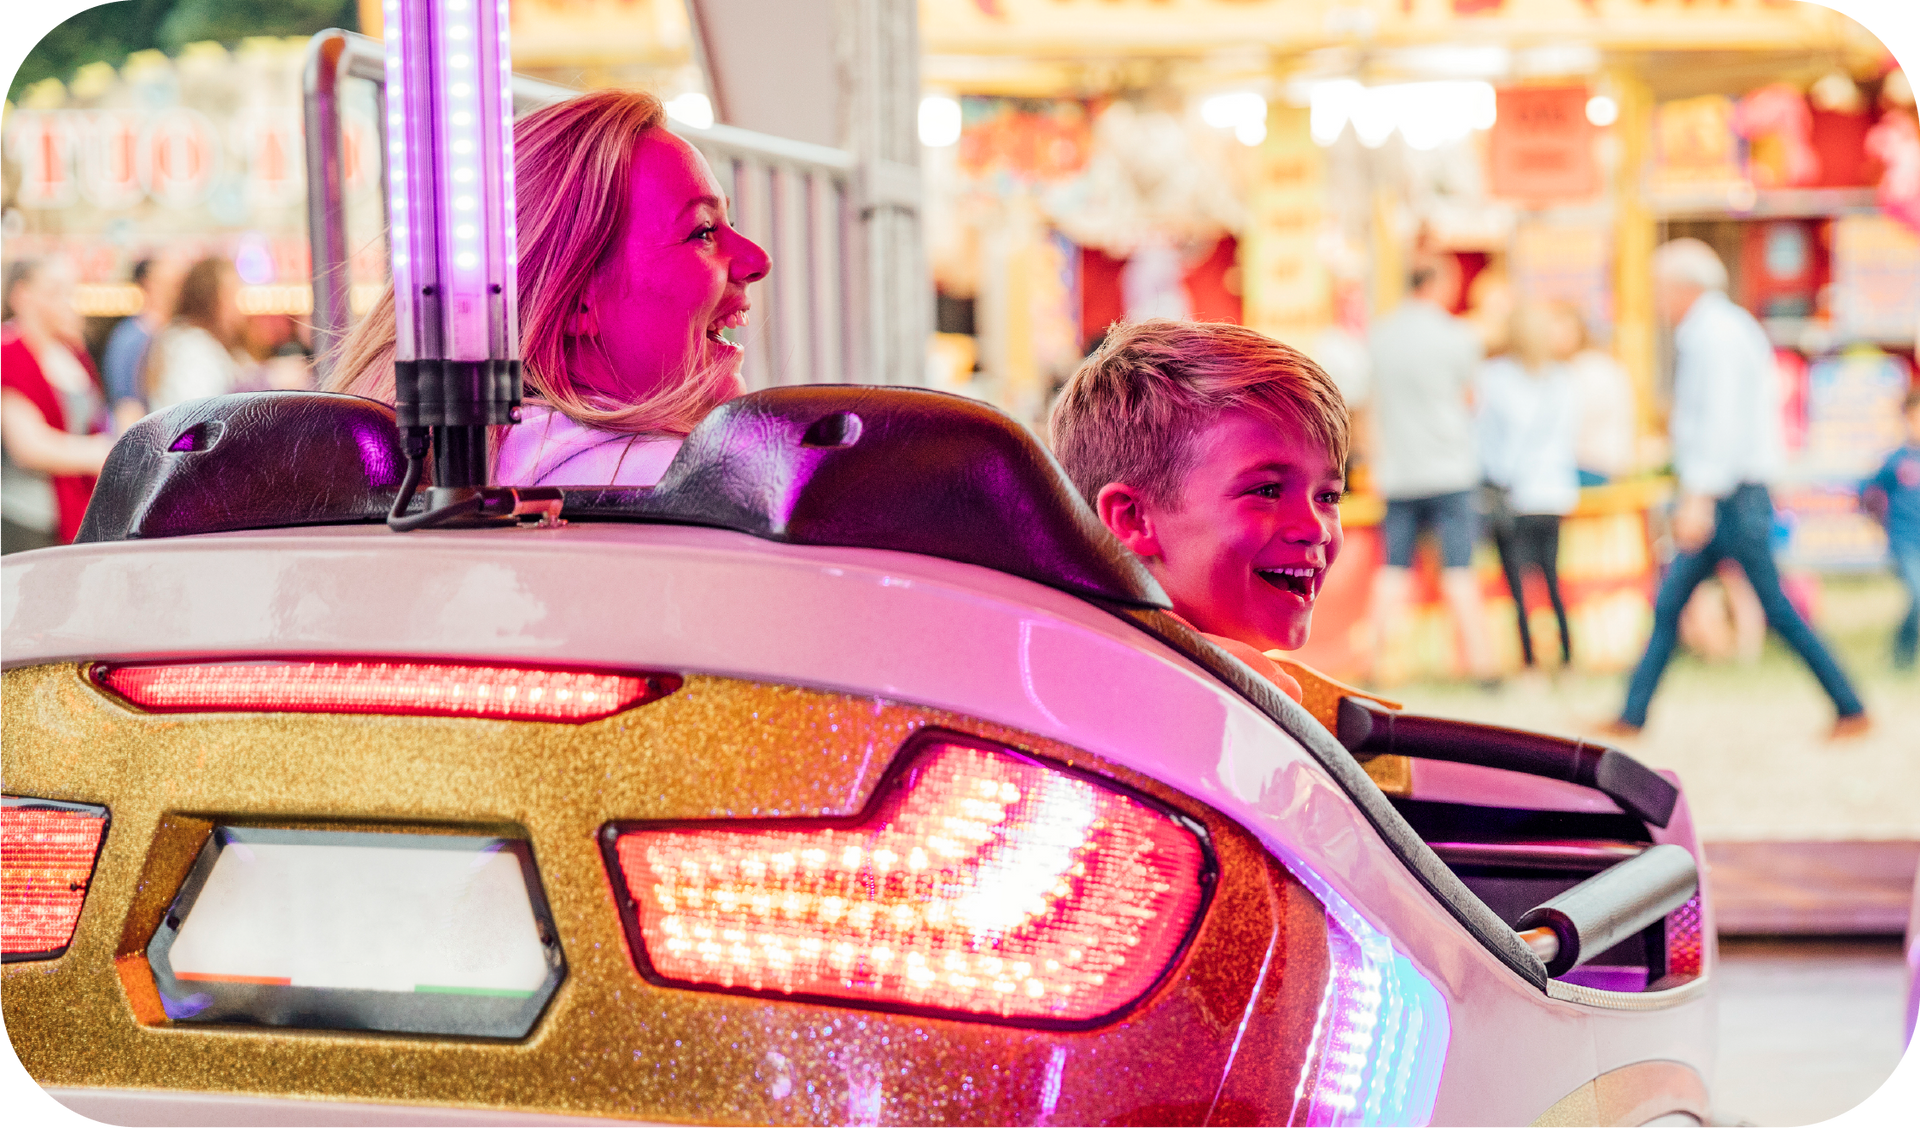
[(844, 465), (906, 469), (253, 460)]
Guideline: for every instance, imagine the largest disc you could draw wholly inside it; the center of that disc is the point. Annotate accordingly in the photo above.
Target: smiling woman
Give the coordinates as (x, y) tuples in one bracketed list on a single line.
[(629, 271)]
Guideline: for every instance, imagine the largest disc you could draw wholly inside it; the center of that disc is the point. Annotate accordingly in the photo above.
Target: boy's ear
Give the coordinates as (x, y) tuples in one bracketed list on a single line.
[(1123, 510)]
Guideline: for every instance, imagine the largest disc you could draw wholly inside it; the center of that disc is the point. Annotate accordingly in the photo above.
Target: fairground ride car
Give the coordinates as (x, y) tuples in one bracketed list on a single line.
[(853, 774)]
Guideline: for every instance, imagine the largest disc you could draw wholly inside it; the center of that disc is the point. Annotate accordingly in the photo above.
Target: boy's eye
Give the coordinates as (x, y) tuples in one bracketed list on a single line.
[(1332, 497), (1270, 491)]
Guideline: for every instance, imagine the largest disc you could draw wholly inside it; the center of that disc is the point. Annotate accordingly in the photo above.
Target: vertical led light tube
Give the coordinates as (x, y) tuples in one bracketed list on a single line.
[(450, 180)]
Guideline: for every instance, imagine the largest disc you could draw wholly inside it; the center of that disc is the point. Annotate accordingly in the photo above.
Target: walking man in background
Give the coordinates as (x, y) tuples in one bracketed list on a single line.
[(1425, 463), (1726, 444)]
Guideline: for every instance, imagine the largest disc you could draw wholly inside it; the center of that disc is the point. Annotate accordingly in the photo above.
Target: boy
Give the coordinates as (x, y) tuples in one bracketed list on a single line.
[(1893, 495), (1215, 454)]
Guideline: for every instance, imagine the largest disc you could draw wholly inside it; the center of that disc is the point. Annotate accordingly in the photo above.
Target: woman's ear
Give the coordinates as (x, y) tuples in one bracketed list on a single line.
[(1125, 513), (582, 322)]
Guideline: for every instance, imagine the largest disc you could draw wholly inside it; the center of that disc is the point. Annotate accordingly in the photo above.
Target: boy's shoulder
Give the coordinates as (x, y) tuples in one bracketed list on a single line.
[(1320, 694)]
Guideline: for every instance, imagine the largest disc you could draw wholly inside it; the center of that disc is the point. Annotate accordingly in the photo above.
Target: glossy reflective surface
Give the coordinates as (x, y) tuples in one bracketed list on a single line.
[(612, 1044)]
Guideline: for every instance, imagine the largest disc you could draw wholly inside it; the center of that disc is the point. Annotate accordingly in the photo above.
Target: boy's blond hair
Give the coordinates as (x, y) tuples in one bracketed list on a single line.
[(1134, 407)]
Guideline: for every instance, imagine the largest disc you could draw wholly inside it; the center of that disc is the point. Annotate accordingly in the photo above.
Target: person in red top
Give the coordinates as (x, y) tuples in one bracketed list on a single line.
[(52, 409)]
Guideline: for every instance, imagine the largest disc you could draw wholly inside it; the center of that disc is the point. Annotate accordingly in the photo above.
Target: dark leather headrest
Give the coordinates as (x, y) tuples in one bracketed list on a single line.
[(879, 467), (846, 465), (253, 460)]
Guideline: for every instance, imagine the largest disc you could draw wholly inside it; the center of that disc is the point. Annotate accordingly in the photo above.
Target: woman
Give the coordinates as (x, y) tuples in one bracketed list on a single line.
[(1605, 448), (629, 272), (1528, 425), (52, 409), (193, 356)]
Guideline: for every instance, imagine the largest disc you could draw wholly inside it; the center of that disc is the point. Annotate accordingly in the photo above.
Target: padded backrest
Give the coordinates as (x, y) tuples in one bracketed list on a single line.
[(897, 468), (844, 465), (253, 460)]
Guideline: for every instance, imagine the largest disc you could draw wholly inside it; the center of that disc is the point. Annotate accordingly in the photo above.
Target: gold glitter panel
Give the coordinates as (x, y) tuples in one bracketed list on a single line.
[(611, 1044)]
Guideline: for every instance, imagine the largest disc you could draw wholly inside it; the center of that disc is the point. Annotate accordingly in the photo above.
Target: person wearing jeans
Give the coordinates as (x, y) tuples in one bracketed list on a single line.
[(1725, 428), (1425, 462), (1893, 495)]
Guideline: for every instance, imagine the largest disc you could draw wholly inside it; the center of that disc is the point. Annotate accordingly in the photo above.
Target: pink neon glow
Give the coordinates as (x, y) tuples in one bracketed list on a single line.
[(46, 861), (413, 688), (985, 883)]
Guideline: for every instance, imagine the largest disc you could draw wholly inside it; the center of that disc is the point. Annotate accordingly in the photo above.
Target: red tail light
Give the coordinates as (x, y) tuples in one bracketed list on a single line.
[(431, 689), (47, 852), (981, 883)]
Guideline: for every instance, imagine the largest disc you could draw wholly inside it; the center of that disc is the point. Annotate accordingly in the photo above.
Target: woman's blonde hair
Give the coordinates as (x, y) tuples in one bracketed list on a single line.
[(1530, 334), (573, 166)]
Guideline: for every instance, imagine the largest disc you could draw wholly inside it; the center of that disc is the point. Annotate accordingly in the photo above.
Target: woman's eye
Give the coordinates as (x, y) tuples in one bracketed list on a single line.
[(705, 233)]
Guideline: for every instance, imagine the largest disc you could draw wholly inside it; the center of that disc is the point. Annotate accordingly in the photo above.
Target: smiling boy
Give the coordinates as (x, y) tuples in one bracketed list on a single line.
[(1215, 454)]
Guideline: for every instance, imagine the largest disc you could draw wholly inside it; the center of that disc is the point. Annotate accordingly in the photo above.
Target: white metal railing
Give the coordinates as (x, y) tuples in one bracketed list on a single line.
[(800, 201)]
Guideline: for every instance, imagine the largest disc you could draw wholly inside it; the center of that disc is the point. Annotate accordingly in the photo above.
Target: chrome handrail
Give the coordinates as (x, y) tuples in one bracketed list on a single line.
[(803, 202)]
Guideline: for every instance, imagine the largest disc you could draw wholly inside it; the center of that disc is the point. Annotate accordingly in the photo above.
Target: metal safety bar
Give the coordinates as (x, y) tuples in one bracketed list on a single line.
[(798, 200)]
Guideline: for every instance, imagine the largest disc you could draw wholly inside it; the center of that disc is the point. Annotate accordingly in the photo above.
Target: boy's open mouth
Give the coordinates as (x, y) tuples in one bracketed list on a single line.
[(1301, 580)]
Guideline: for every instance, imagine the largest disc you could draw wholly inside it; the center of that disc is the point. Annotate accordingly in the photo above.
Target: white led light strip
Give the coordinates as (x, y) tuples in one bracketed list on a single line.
[(451, 197)]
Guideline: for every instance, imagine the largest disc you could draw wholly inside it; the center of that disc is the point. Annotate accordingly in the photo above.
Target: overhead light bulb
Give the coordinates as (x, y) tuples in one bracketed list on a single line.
[(940, 121), (691, 109)]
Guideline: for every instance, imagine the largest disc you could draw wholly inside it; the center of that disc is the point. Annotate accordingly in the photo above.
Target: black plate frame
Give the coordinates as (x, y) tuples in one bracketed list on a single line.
[(321, 1008)]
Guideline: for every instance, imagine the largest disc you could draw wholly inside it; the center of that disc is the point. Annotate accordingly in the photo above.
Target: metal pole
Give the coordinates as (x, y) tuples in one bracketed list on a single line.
[(326, 197)]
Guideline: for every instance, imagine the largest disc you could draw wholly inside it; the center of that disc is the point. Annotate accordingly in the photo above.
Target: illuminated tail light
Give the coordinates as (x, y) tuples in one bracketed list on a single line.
[(429, 689), (1685, 948), (47, 854), (1380, 1038), (980, 884)]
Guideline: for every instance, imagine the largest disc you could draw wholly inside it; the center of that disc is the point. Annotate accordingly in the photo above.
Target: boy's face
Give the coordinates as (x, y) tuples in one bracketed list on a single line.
[(1246, 547)]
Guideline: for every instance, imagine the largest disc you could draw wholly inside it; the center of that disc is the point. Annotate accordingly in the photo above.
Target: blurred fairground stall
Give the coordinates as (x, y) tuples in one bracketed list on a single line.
[(1278, 163)]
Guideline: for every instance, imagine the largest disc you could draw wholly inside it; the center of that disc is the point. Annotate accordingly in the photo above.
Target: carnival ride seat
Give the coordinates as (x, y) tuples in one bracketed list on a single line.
[(848, 466)]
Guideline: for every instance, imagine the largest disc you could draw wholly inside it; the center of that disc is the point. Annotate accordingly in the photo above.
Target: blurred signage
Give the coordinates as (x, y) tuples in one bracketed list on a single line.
[(1853, 413), (1694, 145), (1876, 279), (1852, 424), (1567, 264), (199, 153), (1542, 145), (42, 145), (177, 157), (1284, 278), (1027, 139)]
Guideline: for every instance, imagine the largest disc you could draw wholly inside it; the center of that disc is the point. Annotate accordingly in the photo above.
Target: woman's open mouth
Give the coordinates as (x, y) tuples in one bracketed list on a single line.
[(1301, 580), (735, 320)]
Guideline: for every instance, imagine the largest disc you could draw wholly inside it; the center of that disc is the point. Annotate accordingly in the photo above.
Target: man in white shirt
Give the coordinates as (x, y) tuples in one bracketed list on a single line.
[(1425, 462), (1726, 445)]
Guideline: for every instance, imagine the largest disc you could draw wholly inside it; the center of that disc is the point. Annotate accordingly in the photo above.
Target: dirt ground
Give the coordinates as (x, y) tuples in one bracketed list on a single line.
[(1750, 741)]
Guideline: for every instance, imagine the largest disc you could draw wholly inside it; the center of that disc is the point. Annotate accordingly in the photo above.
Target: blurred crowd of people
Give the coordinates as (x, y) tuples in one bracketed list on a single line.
[(1476, 432), (60, 411), (1489, 427)]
